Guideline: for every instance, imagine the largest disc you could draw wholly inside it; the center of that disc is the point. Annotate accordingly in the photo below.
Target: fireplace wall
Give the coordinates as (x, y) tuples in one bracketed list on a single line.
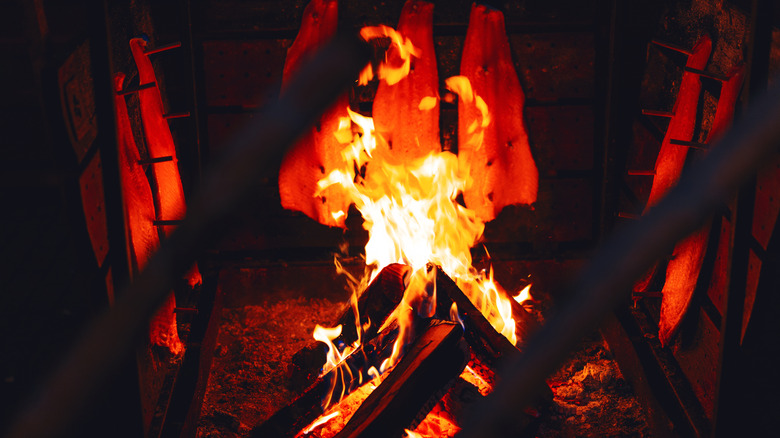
[(587, 71)]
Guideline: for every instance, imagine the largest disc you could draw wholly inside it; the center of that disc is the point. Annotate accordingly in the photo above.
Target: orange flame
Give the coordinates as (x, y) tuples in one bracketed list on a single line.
[(400, 48), (319, 422), (524, 295), (412, 214)]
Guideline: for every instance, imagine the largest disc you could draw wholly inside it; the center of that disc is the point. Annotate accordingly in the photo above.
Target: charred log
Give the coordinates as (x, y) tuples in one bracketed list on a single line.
[(339, 382), (437, 357), (374, 306), (490, 346)]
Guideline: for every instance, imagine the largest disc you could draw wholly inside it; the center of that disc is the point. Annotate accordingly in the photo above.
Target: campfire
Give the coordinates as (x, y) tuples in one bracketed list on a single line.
[(421, 315)]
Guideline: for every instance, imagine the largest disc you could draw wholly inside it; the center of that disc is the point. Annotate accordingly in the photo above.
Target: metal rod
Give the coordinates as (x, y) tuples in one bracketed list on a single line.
[(610, 274), (176, 115), (136, 89), (706, 74), (155, 160), (253, 155), (187, 310), (159, 49), (674, 47), (657, 113), (690, 144)]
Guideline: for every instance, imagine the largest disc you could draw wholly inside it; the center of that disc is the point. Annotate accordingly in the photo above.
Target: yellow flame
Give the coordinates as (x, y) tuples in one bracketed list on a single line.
[(400, 47), (428, 103), (524, 295), (320, 421), (326, 336), (412, 214)]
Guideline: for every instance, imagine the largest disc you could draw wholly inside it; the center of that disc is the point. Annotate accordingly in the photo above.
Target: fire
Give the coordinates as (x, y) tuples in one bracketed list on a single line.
[(401, 51), (412, 215), (320, 421), (524, 295)]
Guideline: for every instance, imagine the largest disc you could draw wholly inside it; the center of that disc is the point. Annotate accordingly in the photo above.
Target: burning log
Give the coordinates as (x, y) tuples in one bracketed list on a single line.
[(682, 273), (170, 193), (406, 113), (139, 214), (318, 152), (339, 382), (437, 357), (489, 345), (374, 305), (497, 155)]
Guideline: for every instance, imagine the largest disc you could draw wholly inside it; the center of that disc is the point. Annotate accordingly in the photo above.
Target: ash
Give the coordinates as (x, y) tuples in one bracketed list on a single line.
[(591, 397), (248, 377)]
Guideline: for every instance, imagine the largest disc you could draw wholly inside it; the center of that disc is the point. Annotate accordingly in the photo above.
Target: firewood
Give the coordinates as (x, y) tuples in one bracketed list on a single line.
[(291, 419), (375, 304), (525, 323), (437, 357), (489, 345)]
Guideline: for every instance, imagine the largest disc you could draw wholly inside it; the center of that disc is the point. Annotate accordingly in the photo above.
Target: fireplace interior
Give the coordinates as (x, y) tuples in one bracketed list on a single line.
[(617, 101)]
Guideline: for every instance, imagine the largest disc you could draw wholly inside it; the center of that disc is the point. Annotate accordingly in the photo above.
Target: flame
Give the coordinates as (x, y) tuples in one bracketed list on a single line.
[(319, 422), (428, 103), (524, 295), (435, 425), (412, 215), (401, 50)]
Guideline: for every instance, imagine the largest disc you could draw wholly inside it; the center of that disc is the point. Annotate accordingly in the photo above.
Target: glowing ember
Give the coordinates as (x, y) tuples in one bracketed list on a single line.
[(320, 421)]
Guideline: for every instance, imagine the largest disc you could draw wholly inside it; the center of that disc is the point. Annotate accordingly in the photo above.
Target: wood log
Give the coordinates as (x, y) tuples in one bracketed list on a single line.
[(375, 304), (436, 357), (525, 323), (291, 419), (490, 346)]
